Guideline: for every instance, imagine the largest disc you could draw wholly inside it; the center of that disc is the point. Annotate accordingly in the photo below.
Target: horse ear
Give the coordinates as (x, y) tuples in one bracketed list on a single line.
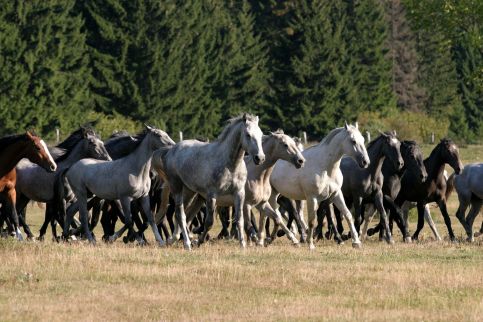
[(149, 128), (84, 131), (346, 125), (394, 132), (244, 117), (256, 120), (357, 126), (382, 133)]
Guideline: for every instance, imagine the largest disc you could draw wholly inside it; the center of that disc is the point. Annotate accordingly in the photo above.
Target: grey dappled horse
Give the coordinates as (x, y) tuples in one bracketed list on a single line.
[(469, 186), (213, 170), (276, 146)]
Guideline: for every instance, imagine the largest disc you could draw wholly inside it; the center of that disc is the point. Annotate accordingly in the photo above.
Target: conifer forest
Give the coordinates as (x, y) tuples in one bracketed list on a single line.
[(300, 65)]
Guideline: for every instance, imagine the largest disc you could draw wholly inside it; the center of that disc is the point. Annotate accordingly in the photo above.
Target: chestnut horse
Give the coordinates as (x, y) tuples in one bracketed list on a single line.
[(13, 148)]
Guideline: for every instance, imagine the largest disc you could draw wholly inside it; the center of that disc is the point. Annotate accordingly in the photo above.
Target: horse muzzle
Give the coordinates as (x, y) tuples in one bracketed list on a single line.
[(259, 159)]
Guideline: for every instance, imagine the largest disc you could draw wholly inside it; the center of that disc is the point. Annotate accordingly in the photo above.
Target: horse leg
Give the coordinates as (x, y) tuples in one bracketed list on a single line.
[(96, 212), (9, 206), (420, 226), (479, 233), (277, 217), (465, 201), (378, 202), (319, 229), (163, 208), (429, 220), (447, 219), (368, 216), (47, 220), (250, 230), (225, 222), (147, 212), (474, 211), (210, 209), (83, 214), (330, 223), (312, 206), (340, 204)]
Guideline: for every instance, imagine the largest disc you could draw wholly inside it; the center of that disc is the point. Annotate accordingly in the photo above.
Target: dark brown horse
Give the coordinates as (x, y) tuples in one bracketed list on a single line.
[(13, 148)]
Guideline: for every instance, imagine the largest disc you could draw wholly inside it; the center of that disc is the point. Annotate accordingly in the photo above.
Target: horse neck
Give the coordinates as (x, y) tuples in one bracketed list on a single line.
[(230, 149), (11, 155), (330, 154), (263, 171), (434, 164), (75, 155), (376, 158), (141, 157)]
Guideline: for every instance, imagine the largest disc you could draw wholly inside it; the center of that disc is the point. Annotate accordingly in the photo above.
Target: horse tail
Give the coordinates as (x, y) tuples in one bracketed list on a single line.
[(449, 185)]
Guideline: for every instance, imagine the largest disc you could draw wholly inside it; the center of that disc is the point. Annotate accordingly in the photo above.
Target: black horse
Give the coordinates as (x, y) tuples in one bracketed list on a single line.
[(434, 188)]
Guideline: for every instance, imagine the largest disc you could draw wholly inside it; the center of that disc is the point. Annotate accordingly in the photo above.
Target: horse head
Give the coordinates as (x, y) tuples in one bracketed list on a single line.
[(413, 159), (450, 155), (286, 149), (392, 148), (353, 145), (37, 152), (94, 146), (251, 138), (158, 137)]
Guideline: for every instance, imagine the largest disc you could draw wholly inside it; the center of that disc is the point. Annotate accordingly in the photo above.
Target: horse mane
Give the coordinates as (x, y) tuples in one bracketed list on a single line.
[(68, 144), (8, 140), (388, 133), (328, 138), (444, 141), (232, 122)]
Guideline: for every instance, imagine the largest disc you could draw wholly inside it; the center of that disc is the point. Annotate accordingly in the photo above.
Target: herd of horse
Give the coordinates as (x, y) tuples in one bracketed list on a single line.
[(148, 180)]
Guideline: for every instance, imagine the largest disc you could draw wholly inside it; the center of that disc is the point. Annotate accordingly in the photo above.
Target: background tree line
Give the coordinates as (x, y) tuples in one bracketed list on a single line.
[(188, 65)]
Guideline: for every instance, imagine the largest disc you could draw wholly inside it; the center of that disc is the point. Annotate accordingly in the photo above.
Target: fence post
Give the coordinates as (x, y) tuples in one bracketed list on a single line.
[(432, 137), (368, 136), (304, 137), (57, 135), (180, 135)]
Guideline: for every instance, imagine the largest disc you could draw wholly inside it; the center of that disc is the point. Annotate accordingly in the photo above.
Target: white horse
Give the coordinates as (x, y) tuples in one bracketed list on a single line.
[(321, 179)]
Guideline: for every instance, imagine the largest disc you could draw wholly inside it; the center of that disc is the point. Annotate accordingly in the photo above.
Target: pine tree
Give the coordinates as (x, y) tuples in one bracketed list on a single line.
[(403, 55), (368, 44), (44, 73), (469, 63)]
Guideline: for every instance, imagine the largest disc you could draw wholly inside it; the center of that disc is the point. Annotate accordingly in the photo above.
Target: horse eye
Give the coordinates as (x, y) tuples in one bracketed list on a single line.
[(286, 145)]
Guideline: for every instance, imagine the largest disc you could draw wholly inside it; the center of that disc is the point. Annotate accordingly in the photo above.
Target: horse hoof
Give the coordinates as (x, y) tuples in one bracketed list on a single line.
[(280, 233), (408, 240), (243, 245), (356, 245), (187, 247), (478, 234), (340, 242), (311, 247), (390, 241), (370, 232), (260, 244)]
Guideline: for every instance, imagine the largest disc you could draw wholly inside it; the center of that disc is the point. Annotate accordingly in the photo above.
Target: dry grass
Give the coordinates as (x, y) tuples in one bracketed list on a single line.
[(428, 281)]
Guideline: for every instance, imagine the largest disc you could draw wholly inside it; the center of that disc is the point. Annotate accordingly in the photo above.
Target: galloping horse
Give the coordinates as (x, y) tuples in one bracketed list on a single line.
[(433, 189), (82, 143), (276, 146), (321, 179), (12, 149), (469, 186), (213, 170), (125, 179)]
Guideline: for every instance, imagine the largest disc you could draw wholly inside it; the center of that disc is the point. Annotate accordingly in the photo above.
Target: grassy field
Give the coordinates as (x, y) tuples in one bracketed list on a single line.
[(430, 281)]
